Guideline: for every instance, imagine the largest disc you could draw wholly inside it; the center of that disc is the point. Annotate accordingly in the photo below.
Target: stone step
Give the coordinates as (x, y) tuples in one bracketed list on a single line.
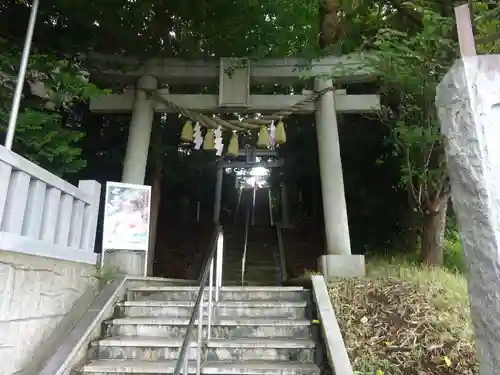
[(184, 309), (258, 272), (258, 259), (260, 267), (254, 349), (236, 271), (185, 293), (222, 328), (261, 280), (251, 264), (254, 280), (156, 348), (237, 282), (249, 268), (140, 281), (262, 276), (126, 367), (261, 272), (139, 348)]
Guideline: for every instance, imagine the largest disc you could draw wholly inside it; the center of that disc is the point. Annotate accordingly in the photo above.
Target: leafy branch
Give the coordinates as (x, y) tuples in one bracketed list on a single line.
[(48, 129)]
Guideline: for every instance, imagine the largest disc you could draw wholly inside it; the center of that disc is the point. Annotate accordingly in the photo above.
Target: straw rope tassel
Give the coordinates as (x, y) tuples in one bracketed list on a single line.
[(280, 135), (187, 132), (233, 148), (263, 139), (208, 142)]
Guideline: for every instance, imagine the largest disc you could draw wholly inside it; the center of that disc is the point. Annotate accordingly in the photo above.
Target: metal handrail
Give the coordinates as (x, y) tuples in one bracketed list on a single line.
[(245, 244), (254, 194), (216, 253), (270, 203)]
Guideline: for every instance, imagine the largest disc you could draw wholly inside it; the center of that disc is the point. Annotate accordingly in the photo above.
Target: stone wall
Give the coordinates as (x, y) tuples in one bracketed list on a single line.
[(40, 298)]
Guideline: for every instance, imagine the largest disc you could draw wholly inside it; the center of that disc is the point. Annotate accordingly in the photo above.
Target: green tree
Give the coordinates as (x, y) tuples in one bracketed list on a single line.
[(411, 62), (48, 127), (414, 42)]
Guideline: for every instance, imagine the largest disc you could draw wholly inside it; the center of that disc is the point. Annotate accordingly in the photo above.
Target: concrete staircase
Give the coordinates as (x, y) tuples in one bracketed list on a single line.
[(256, 331), (262, 265), (233, 253)]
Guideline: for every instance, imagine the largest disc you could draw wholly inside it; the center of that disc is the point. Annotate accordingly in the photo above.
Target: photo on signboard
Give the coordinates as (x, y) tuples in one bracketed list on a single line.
[(126, 217)]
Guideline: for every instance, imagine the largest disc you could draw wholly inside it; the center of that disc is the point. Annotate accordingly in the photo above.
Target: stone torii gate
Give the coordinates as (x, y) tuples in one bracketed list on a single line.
[(234, 95)]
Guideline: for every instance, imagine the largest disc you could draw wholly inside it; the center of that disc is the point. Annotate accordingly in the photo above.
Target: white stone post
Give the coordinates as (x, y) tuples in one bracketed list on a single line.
[(468, 101), (132, 262), (338, 261), (91, 214), (139, 136)]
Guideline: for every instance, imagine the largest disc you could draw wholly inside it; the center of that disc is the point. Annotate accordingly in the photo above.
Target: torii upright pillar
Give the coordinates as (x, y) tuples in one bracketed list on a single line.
[(338, 261), (139, 136), (133, 262)]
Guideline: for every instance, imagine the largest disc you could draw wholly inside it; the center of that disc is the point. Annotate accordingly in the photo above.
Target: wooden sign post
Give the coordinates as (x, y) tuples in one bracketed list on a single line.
[(465, 32)]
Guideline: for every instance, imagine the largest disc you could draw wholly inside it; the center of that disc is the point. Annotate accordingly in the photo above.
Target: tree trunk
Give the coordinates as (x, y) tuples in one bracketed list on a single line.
[(156, 159), (434, 224), (410, 222), (155, 211), (330, 27)]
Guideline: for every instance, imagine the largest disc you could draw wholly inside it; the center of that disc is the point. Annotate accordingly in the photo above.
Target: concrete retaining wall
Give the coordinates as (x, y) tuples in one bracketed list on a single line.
[(39, 301)]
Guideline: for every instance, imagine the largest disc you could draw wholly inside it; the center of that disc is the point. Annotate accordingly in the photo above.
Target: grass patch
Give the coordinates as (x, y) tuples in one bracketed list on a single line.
[(403, 319), (453, 257)]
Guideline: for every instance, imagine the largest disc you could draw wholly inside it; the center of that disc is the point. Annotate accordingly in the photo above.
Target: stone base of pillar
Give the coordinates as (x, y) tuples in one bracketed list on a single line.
[(333, 266), (126, 262)]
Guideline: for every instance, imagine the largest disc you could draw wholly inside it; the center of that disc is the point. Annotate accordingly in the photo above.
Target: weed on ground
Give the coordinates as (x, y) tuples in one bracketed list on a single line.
[(403, 319)]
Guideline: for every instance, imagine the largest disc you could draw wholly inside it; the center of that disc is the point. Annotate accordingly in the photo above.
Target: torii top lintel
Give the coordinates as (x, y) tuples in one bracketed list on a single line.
[(343, 69)]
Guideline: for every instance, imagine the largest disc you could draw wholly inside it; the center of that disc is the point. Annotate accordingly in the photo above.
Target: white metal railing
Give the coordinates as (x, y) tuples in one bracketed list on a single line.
[(270, 206), (198, 315), (254, 195), (41, 214)]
